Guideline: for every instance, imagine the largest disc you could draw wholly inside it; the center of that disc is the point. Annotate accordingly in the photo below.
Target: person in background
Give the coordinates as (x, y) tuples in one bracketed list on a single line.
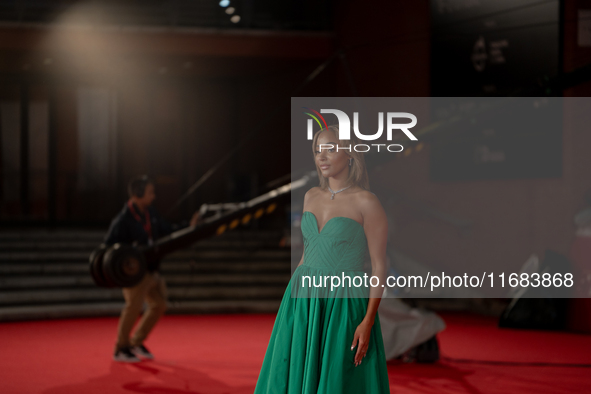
[(138, 223)]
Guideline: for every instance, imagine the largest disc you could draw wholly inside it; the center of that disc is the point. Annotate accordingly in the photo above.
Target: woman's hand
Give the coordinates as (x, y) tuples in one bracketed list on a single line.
[(361, 338)]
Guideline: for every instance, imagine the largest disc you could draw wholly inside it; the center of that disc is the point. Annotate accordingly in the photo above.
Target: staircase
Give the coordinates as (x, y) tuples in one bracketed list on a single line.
[(45, 275)]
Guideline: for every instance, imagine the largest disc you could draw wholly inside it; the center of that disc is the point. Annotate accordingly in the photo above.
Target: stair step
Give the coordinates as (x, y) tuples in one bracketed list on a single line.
[(44, 256), (166, 267), (233, 254), (224, 266), (98, 235), (6, 236), (88, 246), (43, 268), (100, 294), (36, 282), (241, 254), (19, 245), (114, 309), (58, 296)]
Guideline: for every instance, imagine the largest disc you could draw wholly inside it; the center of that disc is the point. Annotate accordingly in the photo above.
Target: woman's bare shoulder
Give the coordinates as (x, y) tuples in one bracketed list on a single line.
[(365, 196), (368, 202), (310, 194)]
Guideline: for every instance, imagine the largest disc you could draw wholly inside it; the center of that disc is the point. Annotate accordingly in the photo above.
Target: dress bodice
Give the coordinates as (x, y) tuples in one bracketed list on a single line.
[(340, 245)]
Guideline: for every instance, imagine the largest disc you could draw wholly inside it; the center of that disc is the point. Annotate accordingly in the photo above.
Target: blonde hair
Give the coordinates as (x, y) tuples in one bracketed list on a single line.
[(357, 170)]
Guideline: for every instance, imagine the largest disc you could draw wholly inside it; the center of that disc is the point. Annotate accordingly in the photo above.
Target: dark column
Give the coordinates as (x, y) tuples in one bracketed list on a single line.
[(52, 157), (24, 149), (185, 91)]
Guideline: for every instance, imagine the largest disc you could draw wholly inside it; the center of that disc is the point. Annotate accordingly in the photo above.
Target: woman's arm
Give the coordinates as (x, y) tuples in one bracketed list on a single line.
[(375, 225), (306, 200)]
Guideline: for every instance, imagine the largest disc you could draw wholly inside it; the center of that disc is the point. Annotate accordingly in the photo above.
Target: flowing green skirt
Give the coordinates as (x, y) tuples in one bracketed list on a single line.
[(310, 348)]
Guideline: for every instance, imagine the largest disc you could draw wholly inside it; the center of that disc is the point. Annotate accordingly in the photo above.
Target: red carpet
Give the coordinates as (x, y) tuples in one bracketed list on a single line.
[(223, 354)]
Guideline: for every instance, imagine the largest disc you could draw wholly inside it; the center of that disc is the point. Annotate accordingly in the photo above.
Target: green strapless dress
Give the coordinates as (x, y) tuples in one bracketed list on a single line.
[(310, 347)]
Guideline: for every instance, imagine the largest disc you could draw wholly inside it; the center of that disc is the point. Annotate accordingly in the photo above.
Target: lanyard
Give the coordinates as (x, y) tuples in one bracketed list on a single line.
[(147, 225)]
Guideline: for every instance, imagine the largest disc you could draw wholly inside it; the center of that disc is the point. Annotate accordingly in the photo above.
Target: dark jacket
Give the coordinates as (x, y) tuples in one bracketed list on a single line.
[(126, 229)]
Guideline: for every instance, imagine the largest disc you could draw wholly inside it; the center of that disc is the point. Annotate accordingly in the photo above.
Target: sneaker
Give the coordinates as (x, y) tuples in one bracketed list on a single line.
[(124, 355), (142, 352)]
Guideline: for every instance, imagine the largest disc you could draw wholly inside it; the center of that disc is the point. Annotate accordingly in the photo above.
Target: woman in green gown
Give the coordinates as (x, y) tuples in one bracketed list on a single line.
[(326, 338)]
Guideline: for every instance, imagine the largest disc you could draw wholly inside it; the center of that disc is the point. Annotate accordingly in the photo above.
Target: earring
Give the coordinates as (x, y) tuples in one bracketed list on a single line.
[(350, 162)]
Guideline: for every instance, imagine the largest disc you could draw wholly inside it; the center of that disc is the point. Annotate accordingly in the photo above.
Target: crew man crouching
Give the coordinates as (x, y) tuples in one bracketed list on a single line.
[(139, 224)]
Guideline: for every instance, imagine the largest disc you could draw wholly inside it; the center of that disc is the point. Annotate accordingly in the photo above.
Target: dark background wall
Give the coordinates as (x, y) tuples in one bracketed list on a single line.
[(179, 100), (168, 104)]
